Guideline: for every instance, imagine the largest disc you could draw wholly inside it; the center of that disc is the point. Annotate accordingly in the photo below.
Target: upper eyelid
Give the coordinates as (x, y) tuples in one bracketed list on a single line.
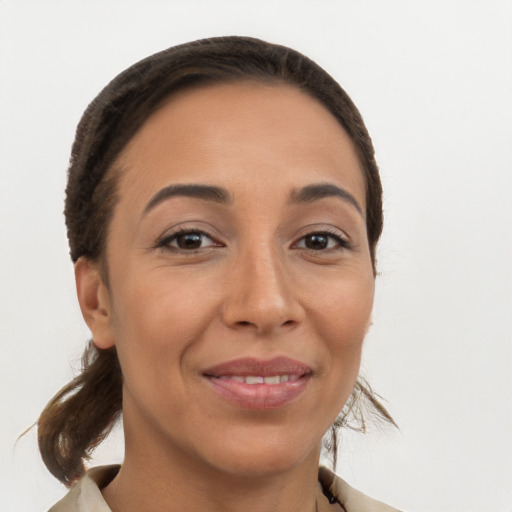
[(324, 229), (172, 236), (186, 227), (343, 241)]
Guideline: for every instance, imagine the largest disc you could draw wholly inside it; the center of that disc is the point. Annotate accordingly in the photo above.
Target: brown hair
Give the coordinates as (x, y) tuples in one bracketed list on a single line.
[(82, 414)]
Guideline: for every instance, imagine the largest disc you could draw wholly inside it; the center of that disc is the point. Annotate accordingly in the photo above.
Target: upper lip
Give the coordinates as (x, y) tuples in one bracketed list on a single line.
[(265, 368)]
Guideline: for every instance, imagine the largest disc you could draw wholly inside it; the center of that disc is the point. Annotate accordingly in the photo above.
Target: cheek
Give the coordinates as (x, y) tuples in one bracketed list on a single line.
[(155, 323), (341, 315), (156, 309), (345, 302)]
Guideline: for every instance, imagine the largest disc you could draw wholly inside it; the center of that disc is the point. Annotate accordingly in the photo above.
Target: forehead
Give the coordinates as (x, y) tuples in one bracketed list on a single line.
[(241, 132)]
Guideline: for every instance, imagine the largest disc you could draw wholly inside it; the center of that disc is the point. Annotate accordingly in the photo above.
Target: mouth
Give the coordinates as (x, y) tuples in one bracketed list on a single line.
[(259, 379), (255, 384)]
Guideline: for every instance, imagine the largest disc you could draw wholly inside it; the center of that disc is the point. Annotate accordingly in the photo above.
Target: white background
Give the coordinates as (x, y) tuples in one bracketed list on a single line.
[(434, 83)]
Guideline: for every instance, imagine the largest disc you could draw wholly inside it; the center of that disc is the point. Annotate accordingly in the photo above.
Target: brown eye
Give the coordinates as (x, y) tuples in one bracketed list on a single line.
[(321, 242), (188, 241), (316, 241)]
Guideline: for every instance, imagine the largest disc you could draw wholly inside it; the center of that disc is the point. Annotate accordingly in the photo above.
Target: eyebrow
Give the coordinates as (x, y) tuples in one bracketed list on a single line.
[(306, 194), (318, 191), (205, 192)]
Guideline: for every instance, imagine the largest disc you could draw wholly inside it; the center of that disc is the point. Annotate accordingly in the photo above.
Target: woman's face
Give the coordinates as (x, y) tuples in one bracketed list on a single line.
[(240, 279)]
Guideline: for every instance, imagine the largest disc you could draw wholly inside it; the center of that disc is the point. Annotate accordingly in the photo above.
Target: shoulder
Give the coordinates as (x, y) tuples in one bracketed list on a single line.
[(85, 495), (351, 499)]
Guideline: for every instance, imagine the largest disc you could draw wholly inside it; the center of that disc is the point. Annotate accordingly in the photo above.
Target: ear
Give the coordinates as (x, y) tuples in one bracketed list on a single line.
[(94, 302)]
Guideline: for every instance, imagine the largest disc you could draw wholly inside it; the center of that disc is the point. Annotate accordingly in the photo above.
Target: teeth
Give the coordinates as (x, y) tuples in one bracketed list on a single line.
[(257, 379), (254, 380)]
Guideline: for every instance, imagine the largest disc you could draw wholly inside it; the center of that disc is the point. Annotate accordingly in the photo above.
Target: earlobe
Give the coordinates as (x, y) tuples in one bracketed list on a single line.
[(94, 302)]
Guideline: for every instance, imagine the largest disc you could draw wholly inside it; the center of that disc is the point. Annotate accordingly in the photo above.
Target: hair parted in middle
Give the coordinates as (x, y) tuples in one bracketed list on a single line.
[(73, 423)]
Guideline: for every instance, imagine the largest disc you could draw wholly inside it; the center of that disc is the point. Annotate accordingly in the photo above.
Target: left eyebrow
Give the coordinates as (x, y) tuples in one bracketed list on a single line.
[(318, 191)]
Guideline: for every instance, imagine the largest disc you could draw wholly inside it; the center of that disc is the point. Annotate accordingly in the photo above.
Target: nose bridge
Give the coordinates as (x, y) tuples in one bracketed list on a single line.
[(260, 292)]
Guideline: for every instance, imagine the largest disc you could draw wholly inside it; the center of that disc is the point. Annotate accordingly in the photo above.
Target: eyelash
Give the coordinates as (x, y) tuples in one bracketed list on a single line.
[(165, 242), (341, 243)]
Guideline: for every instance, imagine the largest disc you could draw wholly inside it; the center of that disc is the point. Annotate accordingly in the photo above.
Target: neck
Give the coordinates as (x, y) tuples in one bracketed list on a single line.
[(154, 479)]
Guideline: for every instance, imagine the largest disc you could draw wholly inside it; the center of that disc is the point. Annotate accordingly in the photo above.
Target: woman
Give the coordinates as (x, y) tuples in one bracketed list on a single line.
[(223, 209)]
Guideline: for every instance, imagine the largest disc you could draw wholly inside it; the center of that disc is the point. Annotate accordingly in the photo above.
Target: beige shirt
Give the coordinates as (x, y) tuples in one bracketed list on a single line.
[(85, 495)]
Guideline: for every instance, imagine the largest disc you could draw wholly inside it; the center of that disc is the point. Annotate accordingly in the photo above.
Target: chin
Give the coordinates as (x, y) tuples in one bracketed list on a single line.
[(260, 455)]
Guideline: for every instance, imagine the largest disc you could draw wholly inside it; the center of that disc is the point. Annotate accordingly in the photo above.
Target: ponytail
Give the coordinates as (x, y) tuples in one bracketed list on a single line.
[(363, 404), (81, 415)]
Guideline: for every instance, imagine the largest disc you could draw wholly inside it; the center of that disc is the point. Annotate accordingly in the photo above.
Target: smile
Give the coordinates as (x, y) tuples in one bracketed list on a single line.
[(260, 385), (258, 379)]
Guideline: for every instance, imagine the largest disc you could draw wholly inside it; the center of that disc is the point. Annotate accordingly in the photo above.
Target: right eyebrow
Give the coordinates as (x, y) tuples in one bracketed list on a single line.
[(199, 191)]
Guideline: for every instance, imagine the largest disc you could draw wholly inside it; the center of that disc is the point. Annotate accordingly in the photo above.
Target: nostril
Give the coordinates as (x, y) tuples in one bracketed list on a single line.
[(244, 323)]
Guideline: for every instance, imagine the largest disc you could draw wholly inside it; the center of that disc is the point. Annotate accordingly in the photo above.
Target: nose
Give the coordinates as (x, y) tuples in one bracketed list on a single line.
[(261, 295)]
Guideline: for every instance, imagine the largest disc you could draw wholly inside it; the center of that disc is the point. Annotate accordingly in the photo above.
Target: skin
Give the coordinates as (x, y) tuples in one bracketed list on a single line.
[(254, 288)]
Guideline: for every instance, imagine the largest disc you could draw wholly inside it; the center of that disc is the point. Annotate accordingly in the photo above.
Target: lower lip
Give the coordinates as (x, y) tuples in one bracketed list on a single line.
[(259, 396)]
